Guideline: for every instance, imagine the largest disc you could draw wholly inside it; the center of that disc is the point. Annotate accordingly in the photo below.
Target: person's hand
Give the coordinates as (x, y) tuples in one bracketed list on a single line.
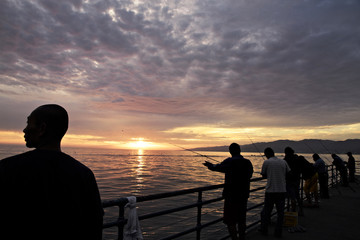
[(207, 164)]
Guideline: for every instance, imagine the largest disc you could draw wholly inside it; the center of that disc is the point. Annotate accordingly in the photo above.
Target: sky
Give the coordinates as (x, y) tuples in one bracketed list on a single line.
[(167, 74)]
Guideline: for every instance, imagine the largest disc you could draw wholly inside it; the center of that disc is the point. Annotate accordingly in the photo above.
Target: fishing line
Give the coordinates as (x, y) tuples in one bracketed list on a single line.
[(322, 144), (311, 149), (307, 145), (261, 155), (202, 155), (336, 153)]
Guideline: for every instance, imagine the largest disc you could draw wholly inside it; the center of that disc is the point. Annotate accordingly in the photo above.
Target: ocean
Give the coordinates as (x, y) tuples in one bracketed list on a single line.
[(123, 173)]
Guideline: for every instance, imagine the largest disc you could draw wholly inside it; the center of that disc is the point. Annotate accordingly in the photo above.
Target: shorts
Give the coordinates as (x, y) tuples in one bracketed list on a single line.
[(235, 210), (292, 189)]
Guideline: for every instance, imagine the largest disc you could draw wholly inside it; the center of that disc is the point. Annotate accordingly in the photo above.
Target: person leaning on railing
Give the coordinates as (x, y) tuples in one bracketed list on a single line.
[(341, 167), (310, 176), (322, 171)]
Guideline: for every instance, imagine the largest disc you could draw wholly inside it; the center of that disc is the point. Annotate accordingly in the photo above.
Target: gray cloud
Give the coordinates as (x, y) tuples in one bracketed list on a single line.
[(292, 63)]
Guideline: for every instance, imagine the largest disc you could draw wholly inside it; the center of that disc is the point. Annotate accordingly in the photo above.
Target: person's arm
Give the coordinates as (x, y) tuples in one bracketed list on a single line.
[(209, 165), (288, 169), (220, 167), (251, 170), (264, 170)]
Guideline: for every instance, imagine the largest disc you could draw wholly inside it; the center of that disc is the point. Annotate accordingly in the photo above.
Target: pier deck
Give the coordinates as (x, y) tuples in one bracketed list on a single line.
[(337, 218)]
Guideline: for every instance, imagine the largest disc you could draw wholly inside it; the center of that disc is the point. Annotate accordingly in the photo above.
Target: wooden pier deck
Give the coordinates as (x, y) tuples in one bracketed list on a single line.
[(338, 218)]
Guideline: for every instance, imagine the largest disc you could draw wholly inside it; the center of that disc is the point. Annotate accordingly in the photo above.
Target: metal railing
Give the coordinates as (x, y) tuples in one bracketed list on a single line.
[(120, 203), (199, 203)]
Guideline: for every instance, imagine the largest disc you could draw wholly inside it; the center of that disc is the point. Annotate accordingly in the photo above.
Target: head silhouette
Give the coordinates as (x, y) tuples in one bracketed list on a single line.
[(46, 125), (234, 149), (289, 151), (269, 152), (316, 156)]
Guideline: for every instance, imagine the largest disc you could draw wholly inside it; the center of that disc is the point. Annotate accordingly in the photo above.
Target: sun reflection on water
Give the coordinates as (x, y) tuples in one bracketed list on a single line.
[(140, 168)]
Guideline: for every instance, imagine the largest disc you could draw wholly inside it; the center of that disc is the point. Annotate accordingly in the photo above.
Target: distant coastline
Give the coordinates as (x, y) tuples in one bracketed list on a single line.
[(303, 146)]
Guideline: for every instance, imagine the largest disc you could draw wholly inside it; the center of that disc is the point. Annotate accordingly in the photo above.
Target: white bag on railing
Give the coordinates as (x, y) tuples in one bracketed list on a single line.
[(132, 230)]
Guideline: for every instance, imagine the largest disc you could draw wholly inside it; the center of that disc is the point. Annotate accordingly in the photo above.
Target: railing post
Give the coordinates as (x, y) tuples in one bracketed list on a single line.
[(198, 224), (332, 175), (121, 221), (301, 189), (336, 176), (333, 179)]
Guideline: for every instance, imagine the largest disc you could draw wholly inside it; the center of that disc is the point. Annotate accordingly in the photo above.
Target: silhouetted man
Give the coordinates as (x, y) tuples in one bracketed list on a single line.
[(351, 167), (274, 170), (238, 172), (341, 167), (322, 171), (293, 179), (45, 193)]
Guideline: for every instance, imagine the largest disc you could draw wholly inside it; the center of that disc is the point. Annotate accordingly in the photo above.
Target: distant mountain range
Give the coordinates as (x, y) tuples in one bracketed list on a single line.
[(303, 146)]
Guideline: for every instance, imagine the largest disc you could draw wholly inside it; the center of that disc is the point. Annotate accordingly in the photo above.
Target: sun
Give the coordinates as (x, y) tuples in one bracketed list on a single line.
[(139, 143)]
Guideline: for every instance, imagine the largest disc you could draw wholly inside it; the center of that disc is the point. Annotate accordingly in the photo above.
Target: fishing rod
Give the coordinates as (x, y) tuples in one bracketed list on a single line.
[(337, 153), (324, 146), (197, 153), (261, 155), (307, 145), (328, 151)]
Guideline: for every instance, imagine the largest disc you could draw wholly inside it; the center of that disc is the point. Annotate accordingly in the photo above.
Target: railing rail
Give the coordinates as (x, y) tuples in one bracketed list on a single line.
[(121, 202)]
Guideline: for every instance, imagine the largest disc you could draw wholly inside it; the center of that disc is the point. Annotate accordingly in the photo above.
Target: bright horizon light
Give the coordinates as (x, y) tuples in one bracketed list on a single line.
[(139, 144)]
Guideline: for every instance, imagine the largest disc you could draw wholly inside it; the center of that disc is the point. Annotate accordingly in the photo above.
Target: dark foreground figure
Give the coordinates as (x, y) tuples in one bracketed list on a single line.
[(46, 194), (238, 172)]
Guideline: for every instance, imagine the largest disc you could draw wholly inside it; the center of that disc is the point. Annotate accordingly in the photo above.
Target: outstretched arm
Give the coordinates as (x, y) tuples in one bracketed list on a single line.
[(209, 165)]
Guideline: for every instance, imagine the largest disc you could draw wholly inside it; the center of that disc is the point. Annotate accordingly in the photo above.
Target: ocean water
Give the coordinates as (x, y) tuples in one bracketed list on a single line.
[(123, 173)]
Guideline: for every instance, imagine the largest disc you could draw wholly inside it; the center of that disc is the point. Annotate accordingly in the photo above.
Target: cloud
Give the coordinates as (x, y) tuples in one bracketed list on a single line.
[(164, 65)]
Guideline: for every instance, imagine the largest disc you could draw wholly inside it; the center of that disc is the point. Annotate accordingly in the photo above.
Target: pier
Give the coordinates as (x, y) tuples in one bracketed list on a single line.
[(337, 217)]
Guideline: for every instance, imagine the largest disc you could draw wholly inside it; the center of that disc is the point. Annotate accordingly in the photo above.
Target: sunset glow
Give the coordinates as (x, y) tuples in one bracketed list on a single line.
[(139, 144), (154, 74)]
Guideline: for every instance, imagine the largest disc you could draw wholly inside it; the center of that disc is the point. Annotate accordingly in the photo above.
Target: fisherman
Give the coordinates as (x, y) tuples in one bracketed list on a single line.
[(322, 171), (310, 176), (238, 172), (351, 167), (293, 180), (341, 167), (274, 170), (45, 193)]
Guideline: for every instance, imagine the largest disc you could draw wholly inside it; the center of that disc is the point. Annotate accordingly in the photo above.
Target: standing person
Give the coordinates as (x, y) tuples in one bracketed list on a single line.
[(310, 176), (45, 193), (293, 180), (351, 166), (341, 167), (274, 170), (238, 171), (322, 171)]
